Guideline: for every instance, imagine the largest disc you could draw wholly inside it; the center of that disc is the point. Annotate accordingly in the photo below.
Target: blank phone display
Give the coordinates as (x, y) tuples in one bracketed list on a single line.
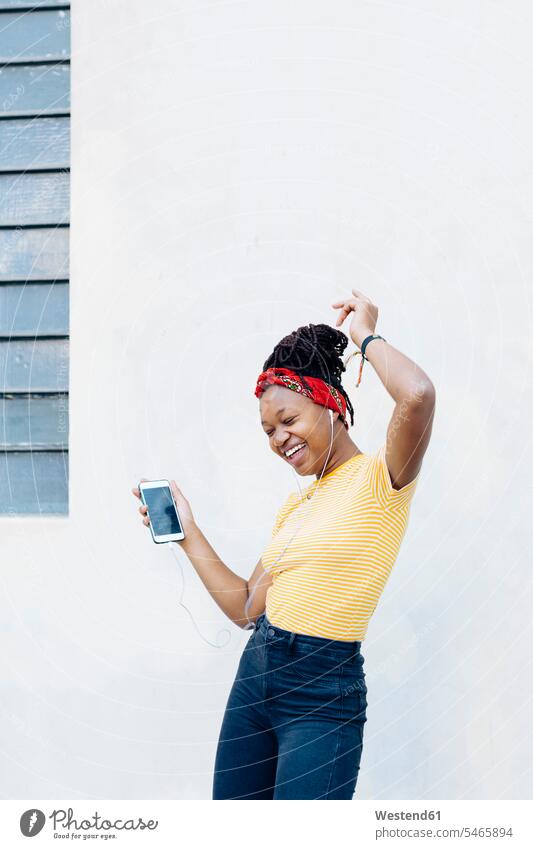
[(161, 511)]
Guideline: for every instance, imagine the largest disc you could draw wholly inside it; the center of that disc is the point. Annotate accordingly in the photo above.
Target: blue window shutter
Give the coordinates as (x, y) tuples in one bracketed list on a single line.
[(34, 253)]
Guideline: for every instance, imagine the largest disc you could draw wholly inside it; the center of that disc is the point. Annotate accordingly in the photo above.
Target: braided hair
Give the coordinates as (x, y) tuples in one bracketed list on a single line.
[(314, 350)]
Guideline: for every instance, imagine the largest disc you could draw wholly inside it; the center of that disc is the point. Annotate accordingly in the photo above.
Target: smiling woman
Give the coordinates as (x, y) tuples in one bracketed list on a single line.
[(294, 719), (293, 401), (299, 697)]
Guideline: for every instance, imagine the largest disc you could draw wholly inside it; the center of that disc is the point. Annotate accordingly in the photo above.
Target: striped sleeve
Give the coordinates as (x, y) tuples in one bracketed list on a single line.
[(381, 486)]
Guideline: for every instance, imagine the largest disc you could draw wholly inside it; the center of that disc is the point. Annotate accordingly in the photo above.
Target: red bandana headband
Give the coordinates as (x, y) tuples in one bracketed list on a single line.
[(319, 391)]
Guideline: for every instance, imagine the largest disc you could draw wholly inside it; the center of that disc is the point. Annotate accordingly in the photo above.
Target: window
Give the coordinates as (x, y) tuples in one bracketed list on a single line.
[(34, 244)]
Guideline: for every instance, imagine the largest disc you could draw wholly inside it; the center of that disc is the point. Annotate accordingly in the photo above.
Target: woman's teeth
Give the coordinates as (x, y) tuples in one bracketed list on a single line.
[(295, 452)]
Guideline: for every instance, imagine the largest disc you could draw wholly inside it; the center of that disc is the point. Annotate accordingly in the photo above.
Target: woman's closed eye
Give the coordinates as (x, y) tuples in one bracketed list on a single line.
[(287, 422)]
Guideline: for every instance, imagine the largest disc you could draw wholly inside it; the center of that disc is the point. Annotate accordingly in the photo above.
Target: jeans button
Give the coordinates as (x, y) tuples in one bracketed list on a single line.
[(271, 632)]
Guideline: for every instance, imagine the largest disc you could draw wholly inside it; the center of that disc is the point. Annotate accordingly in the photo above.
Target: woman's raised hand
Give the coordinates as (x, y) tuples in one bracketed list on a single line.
[(364, 318)]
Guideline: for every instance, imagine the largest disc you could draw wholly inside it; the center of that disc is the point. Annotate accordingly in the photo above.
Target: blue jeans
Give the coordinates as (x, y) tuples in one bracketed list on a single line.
[(294, 720)]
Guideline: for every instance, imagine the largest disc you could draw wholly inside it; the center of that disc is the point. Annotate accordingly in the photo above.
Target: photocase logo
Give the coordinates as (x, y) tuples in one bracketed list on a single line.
[(31, 822)]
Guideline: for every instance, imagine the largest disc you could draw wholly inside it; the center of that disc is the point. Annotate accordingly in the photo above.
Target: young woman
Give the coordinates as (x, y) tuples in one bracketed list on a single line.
[(294, 720)]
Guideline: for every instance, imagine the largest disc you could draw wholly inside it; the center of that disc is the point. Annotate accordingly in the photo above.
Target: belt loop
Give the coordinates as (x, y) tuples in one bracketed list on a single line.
[(291, 641)]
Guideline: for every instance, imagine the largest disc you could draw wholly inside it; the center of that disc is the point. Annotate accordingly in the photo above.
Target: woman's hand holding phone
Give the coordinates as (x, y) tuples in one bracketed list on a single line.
[(184, 508), (226, 588)]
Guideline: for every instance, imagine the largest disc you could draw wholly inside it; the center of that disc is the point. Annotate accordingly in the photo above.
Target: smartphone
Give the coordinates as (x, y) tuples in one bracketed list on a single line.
[(165, 522)]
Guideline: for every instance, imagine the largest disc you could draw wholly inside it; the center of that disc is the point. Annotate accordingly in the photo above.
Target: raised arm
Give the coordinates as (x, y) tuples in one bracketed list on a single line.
[(409, 430)]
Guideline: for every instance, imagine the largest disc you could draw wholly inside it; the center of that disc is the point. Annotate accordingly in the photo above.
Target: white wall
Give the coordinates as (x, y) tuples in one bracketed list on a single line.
[(238, 166)]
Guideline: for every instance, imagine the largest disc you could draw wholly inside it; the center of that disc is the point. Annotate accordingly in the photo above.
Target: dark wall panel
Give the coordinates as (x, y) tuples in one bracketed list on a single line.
[(34, 199), (27, 143), (34, 246), (34, 422), (35, 35), (13, 4), (34, 254), (39, 89), (34, 365), (34, 309), (34, 482)]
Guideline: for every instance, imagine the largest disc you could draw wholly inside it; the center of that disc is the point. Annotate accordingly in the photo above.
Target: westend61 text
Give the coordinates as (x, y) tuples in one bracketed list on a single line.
[(407, 815)]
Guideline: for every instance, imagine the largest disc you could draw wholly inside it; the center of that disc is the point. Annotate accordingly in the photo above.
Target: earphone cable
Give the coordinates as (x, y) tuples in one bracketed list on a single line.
[(181, 604)]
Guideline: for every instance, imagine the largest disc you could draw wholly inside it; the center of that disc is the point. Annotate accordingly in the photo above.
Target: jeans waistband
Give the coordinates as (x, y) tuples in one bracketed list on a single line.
[(273, 633)]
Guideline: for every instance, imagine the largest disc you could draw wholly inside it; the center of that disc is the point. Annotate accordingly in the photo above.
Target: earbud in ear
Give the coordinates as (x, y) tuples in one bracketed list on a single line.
[(331, 415)]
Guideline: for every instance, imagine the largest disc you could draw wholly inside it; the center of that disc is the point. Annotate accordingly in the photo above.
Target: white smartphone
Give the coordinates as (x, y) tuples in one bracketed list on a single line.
[(165, 522)]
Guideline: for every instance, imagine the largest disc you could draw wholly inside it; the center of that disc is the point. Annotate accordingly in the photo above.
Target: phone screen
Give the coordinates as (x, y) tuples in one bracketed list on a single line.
[(162, 512)]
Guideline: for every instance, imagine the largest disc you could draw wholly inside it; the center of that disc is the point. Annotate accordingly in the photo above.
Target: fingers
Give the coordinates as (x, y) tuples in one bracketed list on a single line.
[(357, 296), (143, 509), (342, 315), (135, 489), (346, 306)]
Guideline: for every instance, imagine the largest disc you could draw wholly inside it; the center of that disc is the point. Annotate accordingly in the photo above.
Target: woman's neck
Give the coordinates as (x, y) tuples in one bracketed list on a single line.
[(345, 453)]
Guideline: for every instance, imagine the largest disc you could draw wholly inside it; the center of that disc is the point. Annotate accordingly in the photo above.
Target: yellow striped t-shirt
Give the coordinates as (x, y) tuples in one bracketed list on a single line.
[(330, 578)]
